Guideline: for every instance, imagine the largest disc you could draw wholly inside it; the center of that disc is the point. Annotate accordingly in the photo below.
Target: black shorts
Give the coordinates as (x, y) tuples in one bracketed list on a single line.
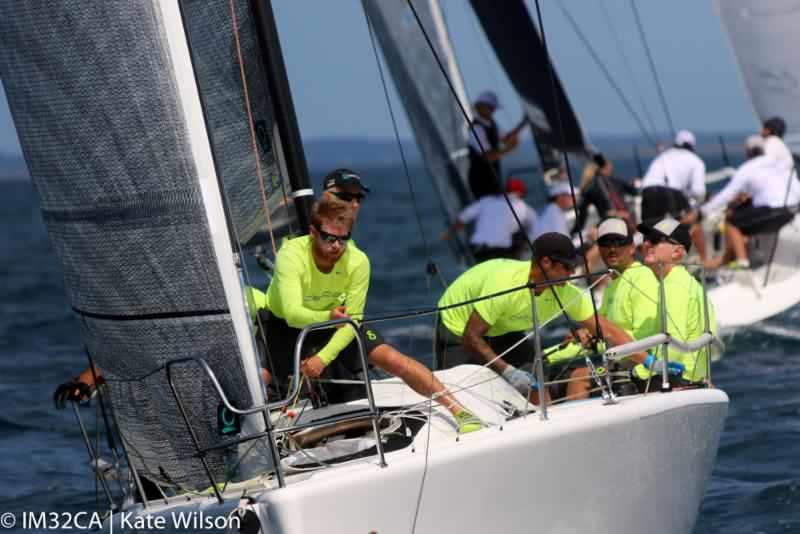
[(761, 220), (278, 354), (659, 201), (654, 384), (451, 352), (482, 253)]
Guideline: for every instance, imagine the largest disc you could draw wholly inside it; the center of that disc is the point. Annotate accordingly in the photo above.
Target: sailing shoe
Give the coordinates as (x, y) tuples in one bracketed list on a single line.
[(738, 265), (467, 422)]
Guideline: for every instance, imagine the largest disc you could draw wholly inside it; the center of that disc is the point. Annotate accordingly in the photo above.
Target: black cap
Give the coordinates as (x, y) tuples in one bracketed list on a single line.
[(776, 125), (670, 228), (344, 179), (599, 159), (557, 247)]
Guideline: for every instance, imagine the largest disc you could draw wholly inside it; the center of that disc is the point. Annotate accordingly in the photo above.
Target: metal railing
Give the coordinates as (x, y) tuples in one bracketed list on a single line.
[(270, 432)]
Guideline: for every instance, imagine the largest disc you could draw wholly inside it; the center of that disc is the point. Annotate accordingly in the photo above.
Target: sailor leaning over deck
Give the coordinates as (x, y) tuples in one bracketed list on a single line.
[(478, 331), (324, 276)]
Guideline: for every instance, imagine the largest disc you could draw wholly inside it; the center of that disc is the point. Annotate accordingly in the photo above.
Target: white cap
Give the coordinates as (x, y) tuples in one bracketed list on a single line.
[(613, 226), (489, 98), (558, 188), (685, 137), (753, 142)]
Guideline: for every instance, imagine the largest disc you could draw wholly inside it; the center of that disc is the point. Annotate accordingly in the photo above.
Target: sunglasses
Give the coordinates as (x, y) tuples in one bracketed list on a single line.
[(660, 238), (613, 242), (330, 239), (348, 197)]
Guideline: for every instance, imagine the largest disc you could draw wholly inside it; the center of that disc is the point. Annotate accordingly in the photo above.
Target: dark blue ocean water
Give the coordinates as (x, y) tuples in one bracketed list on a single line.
[(755, 487)]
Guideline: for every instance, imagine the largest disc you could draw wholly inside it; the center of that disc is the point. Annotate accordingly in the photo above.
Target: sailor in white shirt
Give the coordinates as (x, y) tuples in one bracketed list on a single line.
[(674, 184), (552, 217), (768, 186), (495, 228), (773, 131)]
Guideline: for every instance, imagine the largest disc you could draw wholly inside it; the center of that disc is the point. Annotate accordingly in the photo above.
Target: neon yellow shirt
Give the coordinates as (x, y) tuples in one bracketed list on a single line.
[(256, 300), (511, 312), (685, 319), (302, 295), (630, 301)]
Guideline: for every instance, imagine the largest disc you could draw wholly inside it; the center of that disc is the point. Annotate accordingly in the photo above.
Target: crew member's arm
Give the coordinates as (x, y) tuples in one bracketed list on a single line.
[(473, 341), (698, 184), (467, 215), (356, 300), (736, 185)]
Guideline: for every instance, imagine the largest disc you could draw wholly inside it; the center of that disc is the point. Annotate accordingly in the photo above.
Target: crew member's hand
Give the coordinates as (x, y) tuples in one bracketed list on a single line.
[(522, 381), (312, 367), (582, 336), (339, 313), (71, 391)]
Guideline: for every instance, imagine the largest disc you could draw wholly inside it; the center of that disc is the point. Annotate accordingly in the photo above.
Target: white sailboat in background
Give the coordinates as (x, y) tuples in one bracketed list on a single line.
[(760, 34), (143, 125)]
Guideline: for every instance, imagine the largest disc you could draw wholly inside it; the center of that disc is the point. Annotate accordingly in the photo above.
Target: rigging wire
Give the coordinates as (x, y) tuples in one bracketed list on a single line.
[(628, 67), (661, 96), (483, 151), (432, 269), (599, 62), (559, 124)]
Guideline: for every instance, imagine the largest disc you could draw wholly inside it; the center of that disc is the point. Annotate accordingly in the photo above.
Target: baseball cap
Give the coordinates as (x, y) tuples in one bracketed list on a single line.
[(613, 227), (515, 185), (685, 137), (557, 247), (346, 180), (670, 228), (776, 125), (489, 98), (558, 188)]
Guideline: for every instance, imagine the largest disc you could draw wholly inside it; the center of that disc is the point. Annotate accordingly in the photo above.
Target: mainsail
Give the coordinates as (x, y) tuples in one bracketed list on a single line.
[(105, 101), (435, 115), (763, 36), (518, 46)]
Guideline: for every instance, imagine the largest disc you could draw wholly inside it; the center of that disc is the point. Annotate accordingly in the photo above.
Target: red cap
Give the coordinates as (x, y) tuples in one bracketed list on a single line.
[(515, 185)]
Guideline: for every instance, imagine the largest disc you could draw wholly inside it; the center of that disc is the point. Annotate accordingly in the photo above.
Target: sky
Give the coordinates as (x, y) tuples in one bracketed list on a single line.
[(337, 90)]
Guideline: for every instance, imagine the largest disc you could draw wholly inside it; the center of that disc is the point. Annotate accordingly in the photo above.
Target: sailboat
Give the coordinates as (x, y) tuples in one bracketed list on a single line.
[(758, 33), (143, 125)]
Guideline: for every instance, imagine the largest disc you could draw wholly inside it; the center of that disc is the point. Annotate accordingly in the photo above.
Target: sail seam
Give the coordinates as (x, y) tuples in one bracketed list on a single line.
[(148, 205)]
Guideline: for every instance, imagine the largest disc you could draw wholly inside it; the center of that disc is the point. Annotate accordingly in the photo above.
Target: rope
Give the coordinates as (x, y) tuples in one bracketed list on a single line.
[(251, 126), (560, 125), (607, 75), (432, 269), (661, 96), (628, 68)]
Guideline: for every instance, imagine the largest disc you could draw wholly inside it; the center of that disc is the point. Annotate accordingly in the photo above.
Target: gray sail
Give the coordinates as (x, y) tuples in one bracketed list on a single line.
[(213, 46), (438, 123), (763, 35), (105, 105), (516, 41)]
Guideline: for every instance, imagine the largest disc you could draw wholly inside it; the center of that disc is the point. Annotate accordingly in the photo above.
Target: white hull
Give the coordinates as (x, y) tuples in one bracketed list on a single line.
[(744, 299), (640, 466)]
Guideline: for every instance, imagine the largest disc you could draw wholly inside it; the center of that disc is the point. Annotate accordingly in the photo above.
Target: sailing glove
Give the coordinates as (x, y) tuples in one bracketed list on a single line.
[(644, 370), (522, 381), (71, 391)]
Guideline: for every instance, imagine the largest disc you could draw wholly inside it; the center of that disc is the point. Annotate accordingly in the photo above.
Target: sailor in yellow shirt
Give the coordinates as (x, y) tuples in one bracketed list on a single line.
[(324, 276), (666, 245), (630, 300), (477, 331)]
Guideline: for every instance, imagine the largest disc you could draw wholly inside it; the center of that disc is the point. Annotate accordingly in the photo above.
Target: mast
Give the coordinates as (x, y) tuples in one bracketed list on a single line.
[(283, 107)]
